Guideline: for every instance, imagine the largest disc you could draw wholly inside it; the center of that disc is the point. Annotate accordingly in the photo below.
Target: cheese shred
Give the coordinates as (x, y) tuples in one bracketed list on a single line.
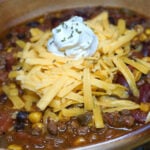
[(64, 87)]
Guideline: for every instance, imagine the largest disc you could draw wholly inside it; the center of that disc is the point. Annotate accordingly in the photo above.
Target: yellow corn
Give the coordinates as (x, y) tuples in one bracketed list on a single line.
[(143, 37), (35, 117), (145, 107), (14, 147), (20, 43), (147, 31), (38, 125)]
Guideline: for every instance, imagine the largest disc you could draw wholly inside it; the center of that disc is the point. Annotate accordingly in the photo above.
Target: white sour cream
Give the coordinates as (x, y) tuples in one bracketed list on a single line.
[(73, 39)]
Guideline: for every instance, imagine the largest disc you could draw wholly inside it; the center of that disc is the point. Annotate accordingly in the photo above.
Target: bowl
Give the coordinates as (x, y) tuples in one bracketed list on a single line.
[(17, 11)]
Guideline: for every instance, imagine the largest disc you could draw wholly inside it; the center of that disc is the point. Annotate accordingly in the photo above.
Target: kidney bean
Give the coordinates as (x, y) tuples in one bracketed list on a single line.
[(84, 119), (121, 80), (145, 93)]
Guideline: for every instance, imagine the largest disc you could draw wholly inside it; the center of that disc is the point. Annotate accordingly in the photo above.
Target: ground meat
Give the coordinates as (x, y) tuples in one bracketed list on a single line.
[(74, 124), (52, 127), (117, 119), (83, 130), (62, 126), (139, 116), (10, 61), (3, 98)]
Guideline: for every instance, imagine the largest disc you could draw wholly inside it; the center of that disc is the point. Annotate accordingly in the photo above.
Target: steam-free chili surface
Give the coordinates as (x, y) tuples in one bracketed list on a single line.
[(76, 131)]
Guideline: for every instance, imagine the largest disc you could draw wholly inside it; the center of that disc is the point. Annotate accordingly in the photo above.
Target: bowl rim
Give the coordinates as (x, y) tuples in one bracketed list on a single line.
[(132, 140)]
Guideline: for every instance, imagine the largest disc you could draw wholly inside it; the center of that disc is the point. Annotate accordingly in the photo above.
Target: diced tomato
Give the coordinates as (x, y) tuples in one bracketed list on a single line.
[(6, 122), (27, 138)]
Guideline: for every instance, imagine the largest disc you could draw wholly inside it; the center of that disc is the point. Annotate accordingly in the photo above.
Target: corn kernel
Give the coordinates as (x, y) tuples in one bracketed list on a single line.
[(35, 117), (9, 49), (139, 29), (38, 125), (143, 37), (41, 20), (14, 147), (145, 107), (12, 74), (147, 31), (20, 43)]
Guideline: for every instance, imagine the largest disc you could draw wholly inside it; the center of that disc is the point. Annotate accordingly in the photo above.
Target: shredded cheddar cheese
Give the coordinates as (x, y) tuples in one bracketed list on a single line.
[(66, 87)]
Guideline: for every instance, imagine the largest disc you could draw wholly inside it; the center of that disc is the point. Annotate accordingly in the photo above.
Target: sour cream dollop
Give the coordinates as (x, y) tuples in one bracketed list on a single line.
[(74, 39)]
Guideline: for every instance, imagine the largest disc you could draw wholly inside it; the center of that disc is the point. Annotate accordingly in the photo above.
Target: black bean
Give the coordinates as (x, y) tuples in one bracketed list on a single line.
[(33, 24), (19, 126), (112, 20), (21, 36), (21, 116)]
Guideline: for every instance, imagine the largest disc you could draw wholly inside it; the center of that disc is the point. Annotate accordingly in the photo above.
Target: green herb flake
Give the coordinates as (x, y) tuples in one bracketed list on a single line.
[(63, 40), (71, 35), (58, 30), (78, 31), (51, 42)]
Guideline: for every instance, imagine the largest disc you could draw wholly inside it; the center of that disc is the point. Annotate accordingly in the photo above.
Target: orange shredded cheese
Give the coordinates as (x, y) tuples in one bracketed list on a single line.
[(67, 87)]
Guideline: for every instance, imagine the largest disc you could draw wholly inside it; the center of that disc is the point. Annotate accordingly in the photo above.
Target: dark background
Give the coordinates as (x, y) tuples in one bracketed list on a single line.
[(143, 147)]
